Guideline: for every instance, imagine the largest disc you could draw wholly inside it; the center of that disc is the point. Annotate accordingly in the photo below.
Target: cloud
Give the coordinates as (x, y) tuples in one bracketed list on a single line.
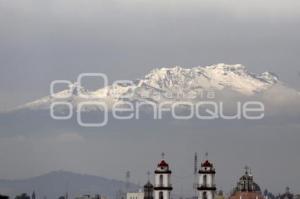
[(282, 101)]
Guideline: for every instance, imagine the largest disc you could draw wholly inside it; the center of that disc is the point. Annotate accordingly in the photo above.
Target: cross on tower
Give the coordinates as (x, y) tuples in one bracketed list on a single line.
[(148, 174), (206, 155), (163, 155), (246, 168)]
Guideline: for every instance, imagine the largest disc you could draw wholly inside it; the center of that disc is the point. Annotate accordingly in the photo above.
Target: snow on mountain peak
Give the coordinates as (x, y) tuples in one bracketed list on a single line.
[(226, 67), (268, 77), (215, 77), (174, 83)]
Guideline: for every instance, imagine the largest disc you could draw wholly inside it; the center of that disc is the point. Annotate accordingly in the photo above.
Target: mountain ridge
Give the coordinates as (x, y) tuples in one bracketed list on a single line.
[(61, 182), (168, 84)]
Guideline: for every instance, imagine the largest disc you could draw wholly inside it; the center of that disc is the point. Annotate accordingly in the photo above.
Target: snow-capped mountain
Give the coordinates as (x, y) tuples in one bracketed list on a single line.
[(168, 84)]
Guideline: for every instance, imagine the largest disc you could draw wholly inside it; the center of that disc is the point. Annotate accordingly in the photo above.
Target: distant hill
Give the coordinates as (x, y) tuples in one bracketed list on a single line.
[(56, 183)]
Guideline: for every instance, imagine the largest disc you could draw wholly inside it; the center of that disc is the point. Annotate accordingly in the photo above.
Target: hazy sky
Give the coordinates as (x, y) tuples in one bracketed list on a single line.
[(45, 40), (41, 41)]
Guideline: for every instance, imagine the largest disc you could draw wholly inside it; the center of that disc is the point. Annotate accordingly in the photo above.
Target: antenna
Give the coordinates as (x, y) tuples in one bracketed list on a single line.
[(195, 173), (195, 163), (163, 155), (127, 180)]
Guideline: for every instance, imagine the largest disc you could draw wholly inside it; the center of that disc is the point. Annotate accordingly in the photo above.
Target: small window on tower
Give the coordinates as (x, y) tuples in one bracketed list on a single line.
[(161, 195), (205, 180), (161, 180)]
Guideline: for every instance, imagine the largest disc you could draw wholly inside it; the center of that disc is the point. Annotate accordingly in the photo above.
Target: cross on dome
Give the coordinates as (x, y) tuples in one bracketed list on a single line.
[(206, 162), (163, 163), (148, 174)]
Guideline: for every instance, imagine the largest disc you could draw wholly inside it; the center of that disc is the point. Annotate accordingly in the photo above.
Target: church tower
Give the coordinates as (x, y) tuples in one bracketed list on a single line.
[(206, 187), (148, 188), (162, 185)]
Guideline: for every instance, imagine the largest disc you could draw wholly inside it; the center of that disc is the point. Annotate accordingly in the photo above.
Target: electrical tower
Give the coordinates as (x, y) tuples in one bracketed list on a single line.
[(195, 174)]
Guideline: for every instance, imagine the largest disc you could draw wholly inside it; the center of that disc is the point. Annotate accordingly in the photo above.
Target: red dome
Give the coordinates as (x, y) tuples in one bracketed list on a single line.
[(207, 164), (163, 164)]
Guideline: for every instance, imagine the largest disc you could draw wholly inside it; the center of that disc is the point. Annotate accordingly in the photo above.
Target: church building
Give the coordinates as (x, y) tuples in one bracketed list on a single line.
[(246, 188), (162, 183), (206, 187)]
